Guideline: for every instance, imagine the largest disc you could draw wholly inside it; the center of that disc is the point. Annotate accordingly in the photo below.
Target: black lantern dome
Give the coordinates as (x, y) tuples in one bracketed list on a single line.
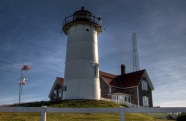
[(82, 16)]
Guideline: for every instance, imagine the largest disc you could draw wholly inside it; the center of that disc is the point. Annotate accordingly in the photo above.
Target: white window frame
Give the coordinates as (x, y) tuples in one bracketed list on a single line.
[(129, 99), (55, 93), (95, 68), (110, 89), (126, 98), (59, 92), (121, 97), (114, 97), (145, 101), (144, 85)]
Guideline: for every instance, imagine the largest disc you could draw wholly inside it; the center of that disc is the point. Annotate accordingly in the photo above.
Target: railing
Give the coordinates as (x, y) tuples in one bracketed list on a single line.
[(81, 17), (129, 104), (121, 110)]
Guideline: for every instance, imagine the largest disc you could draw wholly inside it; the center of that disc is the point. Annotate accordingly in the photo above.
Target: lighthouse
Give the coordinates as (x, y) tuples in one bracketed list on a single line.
[(81, 77)]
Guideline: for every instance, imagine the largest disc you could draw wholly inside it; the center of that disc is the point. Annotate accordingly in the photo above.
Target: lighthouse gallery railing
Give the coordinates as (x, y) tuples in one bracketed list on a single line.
[(82, 17)]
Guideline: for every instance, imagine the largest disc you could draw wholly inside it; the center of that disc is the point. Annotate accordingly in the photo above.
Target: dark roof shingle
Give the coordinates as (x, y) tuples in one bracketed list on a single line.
[(132, 79), (110, 79), (123, 81)]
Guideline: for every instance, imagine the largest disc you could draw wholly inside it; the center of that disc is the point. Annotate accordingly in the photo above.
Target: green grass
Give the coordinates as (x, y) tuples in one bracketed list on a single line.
[(160, 115), (75, 116), (74, 103), (19, 116)]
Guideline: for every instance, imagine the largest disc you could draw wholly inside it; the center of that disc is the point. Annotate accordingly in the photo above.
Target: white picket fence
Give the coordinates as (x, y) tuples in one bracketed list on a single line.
[(121, 110)]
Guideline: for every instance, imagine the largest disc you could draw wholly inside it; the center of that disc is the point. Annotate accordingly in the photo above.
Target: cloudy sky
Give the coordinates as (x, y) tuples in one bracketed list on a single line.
[(30, 30)]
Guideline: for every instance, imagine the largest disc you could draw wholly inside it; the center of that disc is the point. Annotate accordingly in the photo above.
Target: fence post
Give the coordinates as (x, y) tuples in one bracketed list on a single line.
[(43, 113), (122, 113)]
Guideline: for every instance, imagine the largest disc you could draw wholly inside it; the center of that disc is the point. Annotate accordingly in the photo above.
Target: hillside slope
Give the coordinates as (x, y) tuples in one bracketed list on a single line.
[(75, 116), (73, 103)]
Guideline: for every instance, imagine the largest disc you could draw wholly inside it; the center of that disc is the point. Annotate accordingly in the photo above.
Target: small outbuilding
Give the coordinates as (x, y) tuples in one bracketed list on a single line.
[(56, 93)]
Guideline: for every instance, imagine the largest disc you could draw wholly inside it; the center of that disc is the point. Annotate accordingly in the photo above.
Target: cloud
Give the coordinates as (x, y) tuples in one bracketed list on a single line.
[(24, 98), (31, 31)]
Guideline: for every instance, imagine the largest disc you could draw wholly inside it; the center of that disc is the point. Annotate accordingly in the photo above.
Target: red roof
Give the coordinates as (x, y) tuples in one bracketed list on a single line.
[(110, 79), (132, 79), (60, 80), (123, 81)]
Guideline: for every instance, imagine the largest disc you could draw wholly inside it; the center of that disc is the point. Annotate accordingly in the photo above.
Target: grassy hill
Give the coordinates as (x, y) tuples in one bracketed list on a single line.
[(73, 103), (75, 116)]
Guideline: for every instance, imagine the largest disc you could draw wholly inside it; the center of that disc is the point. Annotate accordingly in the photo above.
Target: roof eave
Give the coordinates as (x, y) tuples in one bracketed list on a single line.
[(50, 94), (145, 74), (124, 87), (104, 80)]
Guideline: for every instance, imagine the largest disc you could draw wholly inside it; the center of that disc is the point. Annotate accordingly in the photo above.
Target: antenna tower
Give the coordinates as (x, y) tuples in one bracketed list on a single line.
[(136, 66)]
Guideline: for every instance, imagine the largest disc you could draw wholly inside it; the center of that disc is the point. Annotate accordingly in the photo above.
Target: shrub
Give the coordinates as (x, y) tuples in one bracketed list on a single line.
[(169, 117), (125, 105), (181, 117)]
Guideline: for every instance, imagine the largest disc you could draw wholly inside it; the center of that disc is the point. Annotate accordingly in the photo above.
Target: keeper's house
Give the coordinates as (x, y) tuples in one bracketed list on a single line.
[(133, 89)]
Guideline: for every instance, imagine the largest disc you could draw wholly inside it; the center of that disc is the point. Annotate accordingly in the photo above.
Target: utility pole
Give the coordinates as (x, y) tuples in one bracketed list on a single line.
[(135, 59)]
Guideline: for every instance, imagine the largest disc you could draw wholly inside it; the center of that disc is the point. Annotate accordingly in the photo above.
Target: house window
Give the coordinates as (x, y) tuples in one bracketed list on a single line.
[(129, 99), (121, 97), (59, 92), (95, 67), (145, 101), (125, 98), (64, 88), (55, 94), (144, 85), (114, 97), (109, 89)]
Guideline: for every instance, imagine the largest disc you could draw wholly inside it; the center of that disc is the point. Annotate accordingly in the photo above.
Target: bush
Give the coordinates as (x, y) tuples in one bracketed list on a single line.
[(181, 117), (125, 105), (170, 117)]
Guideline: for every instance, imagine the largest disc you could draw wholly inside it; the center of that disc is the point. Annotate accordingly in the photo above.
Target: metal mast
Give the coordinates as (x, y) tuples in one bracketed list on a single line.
[(136, 66)]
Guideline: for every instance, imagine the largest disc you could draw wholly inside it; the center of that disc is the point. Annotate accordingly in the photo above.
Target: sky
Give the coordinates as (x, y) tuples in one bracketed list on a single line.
[(31, 31)]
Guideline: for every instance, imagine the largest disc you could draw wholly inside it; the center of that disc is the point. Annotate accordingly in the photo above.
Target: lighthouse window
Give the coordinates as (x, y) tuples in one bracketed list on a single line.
[(95, 69)]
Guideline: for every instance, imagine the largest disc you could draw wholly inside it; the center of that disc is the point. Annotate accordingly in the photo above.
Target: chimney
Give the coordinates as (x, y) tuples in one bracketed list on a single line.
[(122, 69)]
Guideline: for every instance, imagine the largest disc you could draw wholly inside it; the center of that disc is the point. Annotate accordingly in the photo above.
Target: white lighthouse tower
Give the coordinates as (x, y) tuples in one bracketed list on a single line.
[(82, 65)]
